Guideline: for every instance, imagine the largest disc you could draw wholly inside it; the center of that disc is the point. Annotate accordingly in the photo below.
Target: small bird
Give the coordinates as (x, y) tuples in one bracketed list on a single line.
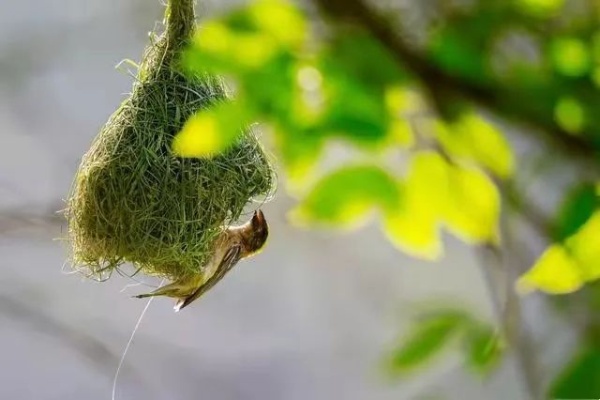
[(233, 244)]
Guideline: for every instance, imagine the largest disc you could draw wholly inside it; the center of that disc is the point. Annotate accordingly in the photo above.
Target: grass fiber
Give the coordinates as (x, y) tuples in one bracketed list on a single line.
[(133, 200)]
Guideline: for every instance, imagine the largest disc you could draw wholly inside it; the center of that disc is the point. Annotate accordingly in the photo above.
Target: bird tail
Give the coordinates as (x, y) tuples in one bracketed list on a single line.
[(143, 296), (161, 291), (179, 305)]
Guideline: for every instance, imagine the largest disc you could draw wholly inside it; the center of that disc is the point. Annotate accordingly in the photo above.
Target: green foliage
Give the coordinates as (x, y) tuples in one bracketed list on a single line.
[(427, 339), (540, 8), (565, 267), (473, 205), (578, 206), (310, 97), (581, 377), (570, 56), (209, 133), (440, 194), (572, 261), (554, 272), (436, 331), (455, 50), (570, 114), (347, 196), (415, 226), (471, 138), (311, 92), (350, 88), (484, 348)]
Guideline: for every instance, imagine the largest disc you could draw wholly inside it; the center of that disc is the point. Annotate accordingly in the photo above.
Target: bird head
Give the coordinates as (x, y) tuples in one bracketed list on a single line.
[(259, 231)]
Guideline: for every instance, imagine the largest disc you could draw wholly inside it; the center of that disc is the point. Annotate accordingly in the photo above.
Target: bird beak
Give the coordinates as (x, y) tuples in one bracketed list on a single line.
[(259, 217)]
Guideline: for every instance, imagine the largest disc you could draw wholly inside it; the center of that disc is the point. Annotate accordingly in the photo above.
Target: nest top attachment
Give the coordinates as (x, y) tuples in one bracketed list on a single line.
[(133, 200)]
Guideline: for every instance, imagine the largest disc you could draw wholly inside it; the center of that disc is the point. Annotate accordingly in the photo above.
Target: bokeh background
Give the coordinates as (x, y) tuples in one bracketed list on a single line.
[(310, 318)]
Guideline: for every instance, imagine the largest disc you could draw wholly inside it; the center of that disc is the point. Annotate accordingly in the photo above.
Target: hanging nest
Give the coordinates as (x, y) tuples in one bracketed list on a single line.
[(134, 201)]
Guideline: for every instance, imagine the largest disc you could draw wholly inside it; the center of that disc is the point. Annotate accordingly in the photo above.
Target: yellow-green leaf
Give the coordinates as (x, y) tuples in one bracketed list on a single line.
[(346, 197), (403, 101), (471, 138), (299, 154), (571, 56), (217, 45), (570, 115), (400, 133), (214, 37), (584, 247), (253, 50), (414, 226), (464, 199), (416, 234), (555, 272), (472, 211), (209, 132), (541, 8), (281, 19)]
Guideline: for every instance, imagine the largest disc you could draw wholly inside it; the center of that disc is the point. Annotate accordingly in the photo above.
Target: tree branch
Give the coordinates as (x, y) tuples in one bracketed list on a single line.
[(443, 87)]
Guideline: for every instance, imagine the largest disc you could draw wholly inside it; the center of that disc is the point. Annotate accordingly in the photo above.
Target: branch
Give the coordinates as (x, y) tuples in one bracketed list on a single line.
[(443, 86), (497, 273)]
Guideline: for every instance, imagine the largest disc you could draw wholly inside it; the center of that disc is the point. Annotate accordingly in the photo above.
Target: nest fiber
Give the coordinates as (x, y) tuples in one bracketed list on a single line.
[(133, 200)]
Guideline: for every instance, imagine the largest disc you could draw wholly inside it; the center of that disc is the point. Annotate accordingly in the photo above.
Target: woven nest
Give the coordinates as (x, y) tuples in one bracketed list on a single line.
[(133, 200)]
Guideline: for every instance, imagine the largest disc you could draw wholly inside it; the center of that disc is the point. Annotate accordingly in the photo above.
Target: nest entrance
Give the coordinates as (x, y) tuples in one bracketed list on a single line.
[(133, 200)]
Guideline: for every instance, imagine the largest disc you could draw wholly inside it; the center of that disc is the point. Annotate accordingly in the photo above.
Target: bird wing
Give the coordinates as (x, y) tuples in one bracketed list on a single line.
[(231, 257)]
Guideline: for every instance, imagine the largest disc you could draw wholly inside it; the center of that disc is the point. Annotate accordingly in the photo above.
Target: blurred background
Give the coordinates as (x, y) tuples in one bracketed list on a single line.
[(311, 318)]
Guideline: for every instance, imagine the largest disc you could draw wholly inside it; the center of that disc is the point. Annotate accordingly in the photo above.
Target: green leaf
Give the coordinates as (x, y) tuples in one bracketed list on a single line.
[(280, 19), (402, 103), (346, 197), (233, 45), (459, 52), (584, 246), (571, 56), (214, 49), (540, 8), (404, 100), (300, 152), (471, 138), (414, 226), (570, 114), (581, 377), (426, 340), (484, 348), (555, 272), (354, 113), (463, 199), (355, 52), (576, 209), (565, 268), (211, 131), (472, 209), (271, 90), (355, 110), (400, 134)]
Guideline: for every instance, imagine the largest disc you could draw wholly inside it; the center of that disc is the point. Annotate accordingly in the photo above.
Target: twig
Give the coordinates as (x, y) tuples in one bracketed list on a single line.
[(507, 306)]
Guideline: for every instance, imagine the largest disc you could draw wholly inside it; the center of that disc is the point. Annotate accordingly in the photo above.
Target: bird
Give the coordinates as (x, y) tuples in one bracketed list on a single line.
[(233, 244)]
